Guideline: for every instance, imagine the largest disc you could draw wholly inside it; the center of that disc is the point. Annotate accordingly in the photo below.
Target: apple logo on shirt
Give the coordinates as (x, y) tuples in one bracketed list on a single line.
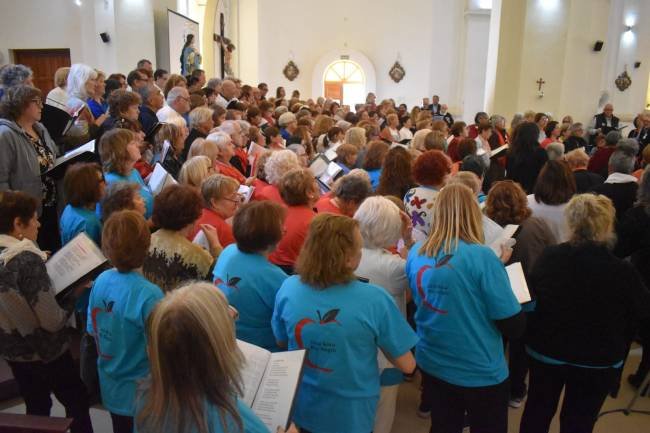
[(108, 309), (325, 320)]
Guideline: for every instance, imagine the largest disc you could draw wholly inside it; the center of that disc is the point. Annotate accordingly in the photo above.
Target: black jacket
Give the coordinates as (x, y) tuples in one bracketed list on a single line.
[(586, 180), (589, 303), (524, 167), (634, 239), (193, 135), (147, 119), (623, 195)]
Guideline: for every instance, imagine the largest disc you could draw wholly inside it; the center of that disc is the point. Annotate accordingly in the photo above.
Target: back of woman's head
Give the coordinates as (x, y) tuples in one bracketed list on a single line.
[(176, 207), (356, 136), (555, 184), (194, 359), (325, 255), (125, 240), (279, 163), (195, 170), (590, 218), (379, 222), (525, 138), (82, 184), (119, 196), (375, 155), (297, 187), (257, 226), (506, 203), (457, 217), (397, 167), (431, 168)]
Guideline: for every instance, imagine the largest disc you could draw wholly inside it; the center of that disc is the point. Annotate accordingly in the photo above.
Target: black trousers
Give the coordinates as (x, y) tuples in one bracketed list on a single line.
[(644, 333), (36, 380), (49, 238), (121, 423), (486, 406), (585, 390), (518, 367)]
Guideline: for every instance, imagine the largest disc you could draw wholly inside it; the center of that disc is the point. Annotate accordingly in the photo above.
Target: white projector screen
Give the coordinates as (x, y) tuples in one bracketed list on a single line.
[(179, 27)]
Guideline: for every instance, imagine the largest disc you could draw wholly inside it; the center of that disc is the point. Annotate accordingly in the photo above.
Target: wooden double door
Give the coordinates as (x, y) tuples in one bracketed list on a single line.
[(44, 63)]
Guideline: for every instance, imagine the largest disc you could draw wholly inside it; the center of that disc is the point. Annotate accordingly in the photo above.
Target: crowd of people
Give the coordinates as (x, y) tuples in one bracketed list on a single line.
[(393, 257)]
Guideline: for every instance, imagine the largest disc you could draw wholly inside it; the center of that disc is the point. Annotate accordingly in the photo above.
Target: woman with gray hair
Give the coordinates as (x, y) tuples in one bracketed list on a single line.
[(555, 151), (500, 136), (382, 226), (633, 235), (201, 123), (15, 75), (82, 84), (577, 338), (620, 186), (279, 163)]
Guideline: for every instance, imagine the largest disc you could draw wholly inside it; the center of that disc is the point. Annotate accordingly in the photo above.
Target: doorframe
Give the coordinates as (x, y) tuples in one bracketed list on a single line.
[(318, 76)]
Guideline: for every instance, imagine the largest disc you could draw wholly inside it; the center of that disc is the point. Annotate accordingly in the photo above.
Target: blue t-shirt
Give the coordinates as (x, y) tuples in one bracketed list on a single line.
[(250, 282), (134, 177), (341, 327), (458, 298), (250, 421), (374, 177), (75, 220), (96, 108), (117, 313)]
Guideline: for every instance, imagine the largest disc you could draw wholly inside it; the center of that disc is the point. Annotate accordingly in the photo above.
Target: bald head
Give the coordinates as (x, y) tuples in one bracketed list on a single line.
[(228, 89), (608, 109)]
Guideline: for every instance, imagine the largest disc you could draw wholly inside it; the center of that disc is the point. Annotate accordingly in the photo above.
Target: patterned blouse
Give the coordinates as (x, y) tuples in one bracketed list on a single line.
[(45, 161), (419, 206), (172, 260)]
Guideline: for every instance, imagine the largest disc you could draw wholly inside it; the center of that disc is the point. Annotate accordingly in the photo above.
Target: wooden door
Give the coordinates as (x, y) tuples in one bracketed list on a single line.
[(44, 63), (334, 90)]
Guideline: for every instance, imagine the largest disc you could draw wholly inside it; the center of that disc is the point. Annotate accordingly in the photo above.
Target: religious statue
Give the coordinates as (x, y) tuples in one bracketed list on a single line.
[(190, 56), (227, 47)]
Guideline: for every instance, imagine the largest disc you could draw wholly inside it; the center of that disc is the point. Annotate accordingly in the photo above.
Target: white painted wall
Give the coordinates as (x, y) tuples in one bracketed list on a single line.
[(427, 44), (62, 24)]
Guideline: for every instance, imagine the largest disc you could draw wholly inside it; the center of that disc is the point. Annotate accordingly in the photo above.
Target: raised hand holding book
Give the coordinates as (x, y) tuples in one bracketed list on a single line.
[(77, 259)]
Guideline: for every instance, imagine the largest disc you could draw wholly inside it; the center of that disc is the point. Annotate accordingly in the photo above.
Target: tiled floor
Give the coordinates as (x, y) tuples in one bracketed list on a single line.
[(406, 421)]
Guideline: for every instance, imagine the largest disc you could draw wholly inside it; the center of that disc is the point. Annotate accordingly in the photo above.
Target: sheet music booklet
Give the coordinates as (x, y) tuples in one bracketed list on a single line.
[(271, 382), (78, 258)]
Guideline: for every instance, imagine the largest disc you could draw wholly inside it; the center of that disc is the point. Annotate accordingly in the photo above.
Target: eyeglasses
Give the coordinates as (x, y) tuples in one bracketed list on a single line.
[(37, 101), (238, 200)]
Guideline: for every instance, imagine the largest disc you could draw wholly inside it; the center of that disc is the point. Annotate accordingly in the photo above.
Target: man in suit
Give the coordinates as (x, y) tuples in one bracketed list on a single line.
[(435, 105), (602, 123)]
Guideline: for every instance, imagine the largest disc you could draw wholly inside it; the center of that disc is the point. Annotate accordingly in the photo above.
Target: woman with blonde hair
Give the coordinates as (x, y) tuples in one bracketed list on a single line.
[(417, 143), (195, 171), (588, 303), (356, 136), (173, 133), (353, 320), (195, 367), (221, 200), (465, 306), (203, 147)]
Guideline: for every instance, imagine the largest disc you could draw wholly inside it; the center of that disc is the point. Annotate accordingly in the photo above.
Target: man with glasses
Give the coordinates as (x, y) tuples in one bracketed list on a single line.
[(178, 105), (136, 80), (602, 123)]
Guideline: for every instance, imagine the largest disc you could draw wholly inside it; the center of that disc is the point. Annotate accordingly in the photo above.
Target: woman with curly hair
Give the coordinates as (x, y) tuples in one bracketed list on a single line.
[(396, 176)]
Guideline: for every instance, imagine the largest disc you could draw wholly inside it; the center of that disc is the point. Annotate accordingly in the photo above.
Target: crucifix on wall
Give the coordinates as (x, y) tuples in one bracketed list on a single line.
[(540, 83), (227, 47)]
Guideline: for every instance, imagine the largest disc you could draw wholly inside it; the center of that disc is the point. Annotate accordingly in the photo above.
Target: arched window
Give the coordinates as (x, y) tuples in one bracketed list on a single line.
[(345, 82)]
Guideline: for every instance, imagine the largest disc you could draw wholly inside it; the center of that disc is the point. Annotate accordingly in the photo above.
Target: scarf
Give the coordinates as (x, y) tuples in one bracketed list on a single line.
[(13, 247)]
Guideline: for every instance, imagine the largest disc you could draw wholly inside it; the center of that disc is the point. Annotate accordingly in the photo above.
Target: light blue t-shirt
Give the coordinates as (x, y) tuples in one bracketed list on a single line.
[(250, 282), (75, 220), (250, 421), (458, 298), (342, 327), (117, 313), (134, 177), (374, 178)]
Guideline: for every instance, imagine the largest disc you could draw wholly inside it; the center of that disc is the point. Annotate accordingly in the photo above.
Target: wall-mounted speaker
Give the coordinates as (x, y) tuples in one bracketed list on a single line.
[(105, 38), (637, 65), (598, 45)]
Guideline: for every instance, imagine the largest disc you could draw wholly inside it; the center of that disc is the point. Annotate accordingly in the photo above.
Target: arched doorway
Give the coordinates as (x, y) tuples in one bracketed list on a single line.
[(349, 93), (345, 82)]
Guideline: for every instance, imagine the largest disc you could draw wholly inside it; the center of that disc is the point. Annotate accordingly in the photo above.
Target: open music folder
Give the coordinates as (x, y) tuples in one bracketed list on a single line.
[(270, 383), (77, 259)]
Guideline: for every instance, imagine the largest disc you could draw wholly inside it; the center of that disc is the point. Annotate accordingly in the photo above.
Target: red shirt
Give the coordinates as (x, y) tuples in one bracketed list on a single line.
[(324, 204), (259, 185), (243, 157), (546, 142), (271, 192), (600, 159), (296, 226), (230, 171), (452, 149), (224, 230)]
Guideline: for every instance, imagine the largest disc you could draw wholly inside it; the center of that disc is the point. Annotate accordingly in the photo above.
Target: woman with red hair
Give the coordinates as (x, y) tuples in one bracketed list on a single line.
[(431, 171)]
